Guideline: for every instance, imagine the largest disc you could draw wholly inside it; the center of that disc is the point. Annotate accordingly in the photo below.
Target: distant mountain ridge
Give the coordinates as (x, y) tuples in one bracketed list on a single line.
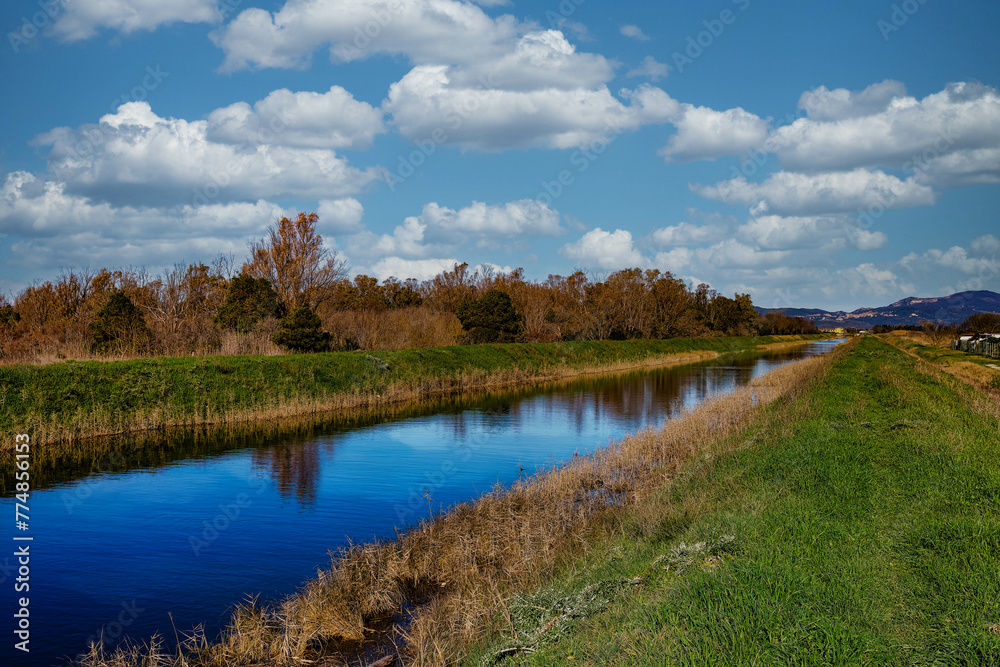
[(911, 310)]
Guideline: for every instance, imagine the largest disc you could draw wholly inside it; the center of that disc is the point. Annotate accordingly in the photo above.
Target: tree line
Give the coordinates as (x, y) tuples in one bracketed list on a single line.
[(293, 293), (940, 333)]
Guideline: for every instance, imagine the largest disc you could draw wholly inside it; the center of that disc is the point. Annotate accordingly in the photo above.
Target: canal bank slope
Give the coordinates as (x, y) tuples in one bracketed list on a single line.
[(74, 400), (856, 524)]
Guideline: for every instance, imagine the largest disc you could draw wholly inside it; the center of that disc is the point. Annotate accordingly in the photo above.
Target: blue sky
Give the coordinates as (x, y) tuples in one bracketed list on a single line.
[(817, 154)]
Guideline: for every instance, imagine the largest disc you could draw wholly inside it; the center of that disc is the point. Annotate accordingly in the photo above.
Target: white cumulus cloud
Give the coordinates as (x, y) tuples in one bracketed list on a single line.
[(439, 229), (525, 217), (706, 134), (426, 103), (80, 19), (55, 228), (634, 32), (686, 233), (341, 216), (651, 69), (538, 61), (985, 246), (798, 232), (955, 259), (426, 31), (907, 133), (333, 119), (823, 104), (790, 193), (604, 250), (136, 157), (403, 269)]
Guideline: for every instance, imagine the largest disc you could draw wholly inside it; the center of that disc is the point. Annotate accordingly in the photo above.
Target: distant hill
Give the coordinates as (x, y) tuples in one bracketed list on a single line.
[(911, 310)]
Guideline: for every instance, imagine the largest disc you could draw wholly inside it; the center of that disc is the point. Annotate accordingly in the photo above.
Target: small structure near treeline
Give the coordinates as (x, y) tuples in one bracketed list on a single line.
[(986, 344)]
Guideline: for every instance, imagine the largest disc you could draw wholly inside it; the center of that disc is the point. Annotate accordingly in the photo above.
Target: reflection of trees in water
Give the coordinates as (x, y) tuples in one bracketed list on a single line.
[(651, 395), (491, 415), (294, 466), (646, 396), (643, 396)]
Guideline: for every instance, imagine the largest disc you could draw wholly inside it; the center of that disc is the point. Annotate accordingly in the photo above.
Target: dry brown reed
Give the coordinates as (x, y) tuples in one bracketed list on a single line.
[(55, 430), (55, 349), (397, 329), (455, 570), (254, 343)]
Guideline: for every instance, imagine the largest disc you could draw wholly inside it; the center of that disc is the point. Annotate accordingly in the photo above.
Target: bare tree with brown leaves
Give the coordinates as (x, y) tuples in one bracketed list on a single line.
[(293, 259)]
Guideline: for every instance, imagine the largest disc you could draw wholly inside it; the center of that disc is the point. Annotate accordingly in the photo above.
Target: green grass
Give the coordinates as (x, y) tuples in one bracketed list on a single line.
[(974, 368), (939, 355), (866, 518), (105, 396)]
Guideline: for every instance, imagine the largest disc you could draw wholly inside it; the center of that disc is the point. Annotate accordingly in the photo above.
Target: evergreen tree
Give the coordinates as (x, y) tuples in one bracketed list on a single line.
[(492, 318), (248, 301), (9, 316), (119, 327), (300, 332)]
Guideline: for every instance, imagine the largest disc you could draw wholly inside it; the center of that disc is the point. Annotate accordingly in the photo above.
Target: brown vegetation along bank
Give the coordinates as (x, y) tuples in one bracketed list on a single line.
[(448, 578), (74, 400)]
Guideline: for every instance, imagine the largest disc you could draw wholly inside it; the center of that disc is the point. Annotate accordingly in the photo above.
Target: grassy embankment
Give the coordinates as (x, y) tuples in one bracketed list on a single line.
[(454, 573), (72, 400), (858, 524), (977, 370)]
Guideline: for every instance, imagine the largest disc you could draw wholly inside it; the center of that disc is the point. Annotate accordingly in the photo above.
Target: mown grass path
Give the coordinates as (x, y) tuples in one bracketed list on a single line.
[(866, 518)]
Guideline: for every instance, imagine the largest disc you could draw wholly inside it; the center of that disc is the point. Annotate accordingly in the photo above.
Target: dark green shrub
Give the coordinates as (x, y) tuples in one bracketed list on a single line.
[(9, 316), (300, 332), (119, 328), (248, 301), (492, 318)]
